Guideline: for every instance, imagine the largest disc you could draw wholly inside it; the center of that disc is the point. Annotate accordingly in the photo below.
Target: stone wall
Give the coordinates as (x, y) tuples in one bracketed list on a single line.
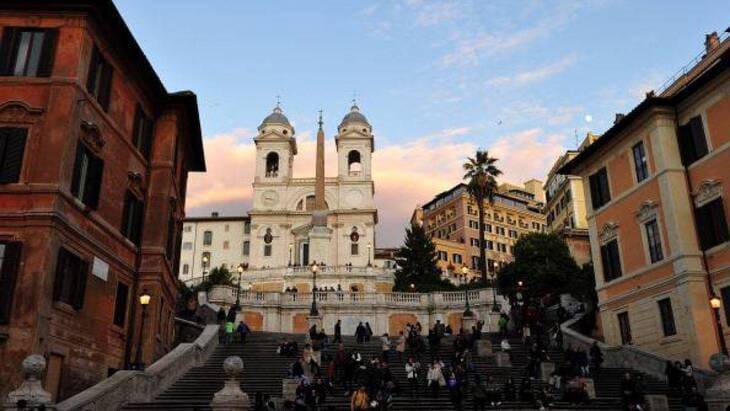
[(124, 386)]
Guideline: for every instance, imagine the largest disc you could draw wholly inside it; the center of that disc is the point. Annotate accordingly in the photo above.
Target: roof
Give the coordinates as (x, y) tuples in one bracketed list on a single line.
[(453, 189), (123, 43), (276, 117), (721, 64), (354, 116), (214, 219)]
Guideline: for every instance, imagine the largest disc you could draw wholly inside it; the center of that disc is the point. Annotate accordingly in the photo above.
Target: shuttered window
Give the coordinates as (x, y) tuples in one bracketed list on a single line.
[(87, 176), (132, 218), (12, 148), (640, 165), (624, 327), (600, 192), (692, 142), (99, 80), (9, 263), (142, 132), (667, 317), (711, 224), (120, 304), (27, 51), (611, 261), (654, 241), (70, 282)]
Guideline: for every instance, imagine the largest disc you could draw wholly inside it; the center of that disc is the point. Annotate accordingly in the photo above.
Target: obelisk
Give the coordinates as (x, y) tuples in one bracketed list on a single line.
[(319, 235)]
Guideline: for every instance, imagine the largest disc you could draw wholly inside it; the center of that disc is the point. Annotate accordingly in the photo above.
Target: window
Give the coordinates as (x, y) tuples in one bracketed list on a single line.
[(354, 165), (624, 327), (120, 304), (9, 263), (99, 80), (654, 241), (187, 245), (600, 193), (142, 133), (272, 164), (267, 250), (513, 233), (27, 51), (443, 256), (87, 176), (475, 262), (456, 258), (208, 237), (711, 224), (246, 247), (69, 285), (692, 142), (667, 316), (12, 148), (132, 217), (186, 269), (247, 227), (225, 245), (610, 260), (354, 249), (487, 227), (188, 228), (500, 230), (640, 165), (490, 245)]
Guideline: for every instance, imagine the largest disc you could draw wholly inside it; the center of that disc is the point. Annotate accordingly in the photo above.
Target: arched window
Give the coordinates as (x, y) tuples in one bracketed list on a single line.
[(354, 166), (272, 164)]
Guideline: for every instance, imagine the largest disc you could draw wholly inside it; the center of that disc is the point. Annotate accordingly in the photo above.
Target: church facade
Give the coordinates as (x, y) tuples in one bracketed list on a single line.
[(297, 221)]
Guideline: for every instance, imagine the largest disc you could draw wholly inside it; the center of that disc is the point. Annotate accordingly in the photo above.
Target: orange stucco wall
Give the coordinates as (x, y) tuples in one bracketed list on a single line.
[(299, 323), (397, 322), (254, 320)]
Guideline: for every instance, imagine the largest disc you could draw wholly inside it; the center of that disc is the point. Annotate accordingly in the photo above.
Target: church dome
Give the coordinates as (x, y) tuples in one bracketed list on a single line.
[(354, 116), (276, 117)]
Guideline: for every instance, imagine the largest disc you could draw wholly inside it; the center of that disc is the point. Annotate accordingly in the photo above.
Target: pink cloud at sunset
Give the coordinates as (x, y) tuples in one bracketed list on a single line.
[(406, 174)]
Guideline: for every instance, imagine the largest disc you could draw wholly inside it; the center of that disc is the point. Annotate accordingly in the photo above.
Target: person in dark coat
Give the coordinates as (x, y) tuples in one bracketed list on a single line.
[(360, 333), (338, 332)]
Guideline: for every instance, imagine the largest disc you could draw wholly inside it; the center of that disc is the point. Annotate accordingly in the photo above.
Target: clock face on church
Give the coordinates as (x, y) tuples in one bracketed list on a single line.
[(270, 198)]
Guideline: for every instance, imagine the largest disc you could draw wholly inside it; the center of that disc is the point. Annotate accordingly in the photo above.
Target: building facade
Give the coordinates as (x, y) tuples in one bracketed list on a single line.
[(565, 208), (214, 241), (656, 187), (451, 219), (94, 158)]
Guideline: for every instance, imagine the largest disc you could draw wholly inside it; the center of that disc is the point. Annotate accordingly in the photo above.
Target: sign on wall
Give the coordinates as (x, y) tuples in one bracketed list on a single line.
[(100, 268)]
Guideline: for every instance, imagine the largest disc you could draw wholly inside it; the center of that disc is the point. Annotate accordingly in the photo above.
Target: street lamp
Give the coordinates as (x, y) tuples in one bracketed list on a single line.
[(716, 303), (238, 289), (369, 247), (313, 312), (413, 288), (467, 310), (144, 300), (205, 266), (495, 306), (291, 248)]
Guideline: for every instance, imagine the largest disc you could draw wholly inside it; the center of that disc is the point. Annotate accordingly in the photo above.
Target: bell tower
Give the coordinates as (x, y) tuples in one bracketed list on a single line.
[(275, 148), (354, 146)]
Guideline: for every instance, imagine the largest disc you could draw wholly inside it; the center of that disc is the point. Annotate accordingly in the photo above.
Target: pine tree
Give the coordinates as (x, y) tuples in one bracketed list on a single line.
[(417, 264)]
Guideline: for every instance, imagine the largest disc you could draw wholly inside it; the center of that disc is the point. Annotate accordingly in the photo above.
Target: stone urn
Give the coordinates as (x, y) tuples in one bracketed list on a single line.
[(231, 398), (30, 394)]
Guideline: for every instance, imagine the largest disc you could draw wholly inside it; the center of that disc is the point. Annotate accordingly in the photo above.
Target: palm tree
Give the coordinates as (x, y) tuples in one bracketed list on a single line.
[(481, 174)]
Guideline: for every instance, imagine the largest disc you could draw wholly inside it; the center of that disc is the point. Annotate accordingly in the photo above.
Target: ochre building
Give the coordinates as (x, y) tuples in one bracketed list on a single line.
[(656, 185), (94, 159)]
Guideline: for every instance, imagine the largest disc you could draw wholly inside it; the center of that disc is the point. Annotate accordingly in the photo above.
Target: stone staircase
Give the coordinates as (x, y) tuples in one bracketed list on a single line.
[(264, 371)]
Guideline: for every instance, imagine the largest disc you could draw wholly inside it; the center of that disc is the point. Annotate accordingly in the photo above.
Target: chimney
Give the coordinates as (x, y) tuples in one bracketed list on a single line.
[(619, 117), (214, 214), (712, 40)]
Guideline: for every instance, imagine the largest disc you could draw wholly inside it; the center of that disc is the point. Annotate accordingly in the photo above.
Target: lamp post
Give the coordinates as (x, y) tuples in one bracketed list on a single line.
[(313, 312), (238, 289), (205, 266), (369, 247), (495, 306), (413, 288), (467, 310), (716, 303), (291, 248), (144, 300)]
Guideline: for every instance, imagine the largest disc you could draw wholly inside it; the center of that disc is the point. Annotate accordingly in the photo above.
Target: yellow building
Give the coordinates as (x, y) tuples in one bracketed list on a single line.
[(565, 206), (656, 185), (451, 219)]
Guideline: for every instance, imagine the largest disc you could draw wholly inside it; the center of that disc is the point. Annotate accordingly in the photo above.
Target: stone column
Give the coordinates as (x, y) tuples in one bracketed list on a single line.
[(30, 394), (231, 398)]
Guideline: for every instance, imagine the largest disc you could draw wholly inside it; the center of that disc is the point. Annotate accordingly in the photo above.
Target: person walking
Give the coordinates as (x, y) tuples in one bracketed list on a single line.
[(229, 331), (435, 378), (385, 343), (360, 332), (360, 400), (412, 375), (242, 331), (338, 332), (369, 331)]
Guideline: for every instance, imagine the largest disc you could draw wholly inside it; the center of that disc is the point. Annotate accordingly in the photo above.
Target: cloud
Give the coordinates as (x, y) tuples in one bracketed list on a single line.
[(523, 112), (434, 13), (537, 75), (406, 174)]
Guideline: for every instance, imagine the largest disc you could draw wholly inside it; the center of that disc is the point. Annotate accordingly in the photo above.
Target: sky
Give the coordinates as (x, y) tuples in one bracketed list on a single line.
[(437, 80)]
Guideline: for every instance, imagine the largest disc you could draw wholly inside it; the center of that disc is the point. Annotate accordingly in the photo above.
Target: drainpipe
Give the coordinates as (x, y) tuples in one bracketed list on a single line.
[(710, 289)]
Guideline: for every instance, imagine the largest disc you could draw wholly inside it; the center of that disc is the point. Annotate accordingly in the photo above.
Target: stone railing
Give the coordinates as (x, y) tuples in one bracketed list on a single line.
[(142, 386), (226, 295), (627, 356)]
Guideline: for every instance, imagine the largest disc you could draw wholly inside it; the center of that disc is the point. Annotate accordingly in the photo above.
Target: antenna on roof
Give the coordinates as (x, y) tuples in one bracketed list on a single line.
[(278, 101)]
